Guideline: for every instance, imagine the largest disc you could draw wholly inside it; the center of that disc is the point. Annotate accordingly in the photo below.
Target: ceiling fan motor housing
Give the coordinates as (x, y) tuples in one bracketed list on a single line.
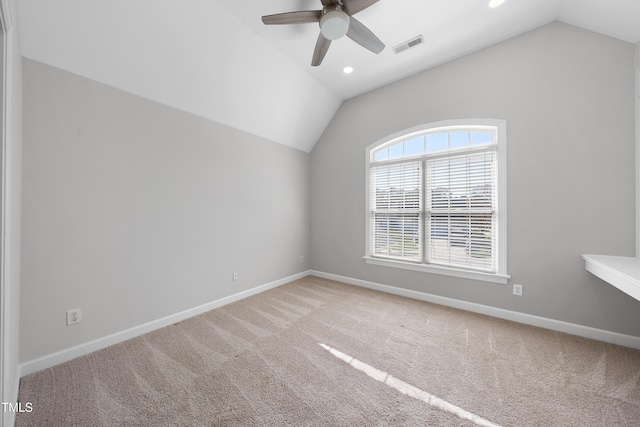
[(334, 24)]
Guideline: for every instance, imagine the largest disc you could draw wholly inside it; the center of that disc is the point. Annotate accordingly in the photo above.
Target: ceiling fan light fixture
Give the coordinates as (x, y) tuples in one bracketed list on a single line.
[(495, 3), (334, 24)]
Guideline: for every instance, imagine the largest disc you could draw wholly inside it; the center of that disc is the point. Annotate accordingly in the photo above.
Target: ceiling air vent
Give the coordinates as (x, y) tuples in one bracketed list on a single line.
[(408, 44)]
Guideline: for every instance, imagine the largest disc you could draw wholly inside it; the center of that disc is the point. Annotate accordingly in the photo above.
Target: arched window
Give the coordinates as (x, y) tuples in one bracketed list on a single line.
[(436, 199)]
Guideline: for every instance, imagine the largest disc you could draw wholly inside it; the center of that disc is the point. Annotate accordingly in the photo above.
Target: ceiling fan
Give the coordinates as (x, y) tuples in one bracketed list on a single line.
[(336, 20)]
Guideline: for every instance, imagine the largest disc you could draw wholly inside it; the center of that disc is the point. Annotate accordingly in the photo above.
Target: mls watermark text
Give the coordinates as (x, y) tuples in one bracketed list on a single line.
[(17, 407)]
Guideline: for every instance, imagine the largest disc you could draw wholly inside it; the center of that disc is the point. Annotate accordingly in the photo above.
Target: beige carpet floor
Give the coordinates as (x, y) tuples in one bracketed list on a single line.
[(320, 353)]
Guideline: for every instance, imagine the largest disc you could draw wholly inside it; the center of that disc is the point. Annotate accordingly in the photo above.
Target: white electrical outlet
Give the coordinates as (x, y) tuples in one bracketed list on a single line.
[(301, 258), (74, 316), (517, 290), (234, 276)]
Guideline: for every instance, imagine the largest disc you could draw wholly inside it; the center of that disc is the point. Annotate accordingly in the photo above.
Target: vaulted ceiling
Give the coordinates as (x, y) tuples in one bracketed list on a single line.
[(216, 59)]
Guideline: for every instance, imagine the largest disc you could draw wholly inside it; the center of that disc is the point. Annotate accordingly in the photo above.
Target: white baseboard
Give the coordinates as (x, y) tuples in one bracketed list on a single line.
[(62, 356), (528, 319)]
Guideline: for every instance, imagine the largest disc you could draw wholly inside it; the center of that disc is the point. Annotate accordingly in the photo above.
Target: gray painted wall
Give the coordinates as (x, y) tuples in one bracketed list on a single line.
[(133, 211), (568, 97)]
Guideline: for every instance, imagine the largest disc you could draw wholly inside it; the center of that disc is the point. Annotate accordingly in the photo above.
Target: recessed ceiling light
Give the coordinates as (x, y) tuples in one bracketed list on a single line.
[(495, 3), (347, 70)]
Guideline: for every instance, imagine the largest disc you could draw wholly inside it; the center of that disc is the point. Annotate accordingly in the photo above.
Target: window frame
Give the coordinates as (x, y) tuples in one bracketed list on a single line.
[(500, 275)]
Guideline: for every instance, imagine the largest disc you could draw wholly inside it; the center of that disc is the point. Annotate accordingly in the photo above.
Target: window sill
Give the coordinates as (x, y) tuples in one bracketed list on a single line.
[(446, 271)]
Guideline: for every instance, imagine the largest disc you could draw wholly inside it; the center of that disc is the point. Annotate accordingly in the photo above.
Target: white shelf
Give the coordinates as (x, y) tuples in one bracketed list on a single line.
[(622, 272)]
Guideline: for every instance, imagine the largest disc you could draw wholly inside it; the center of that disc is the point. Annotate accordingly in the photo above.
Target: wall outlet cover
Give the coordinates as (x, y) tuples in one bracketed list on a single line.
[(74, 316)]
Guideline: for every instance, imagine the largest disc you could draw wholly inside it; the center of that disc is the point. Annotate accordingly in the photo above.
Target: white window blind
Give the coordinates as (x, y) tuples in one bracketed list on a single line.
[(461, 210), (396, 210)]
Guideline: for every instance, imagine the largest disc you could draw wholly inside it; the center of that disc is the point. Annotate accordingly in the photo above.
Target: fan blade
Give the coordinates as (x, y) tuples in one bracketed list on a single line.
[(329, 2), (354, 6), (322, 46), (302, 17), (364, 37)]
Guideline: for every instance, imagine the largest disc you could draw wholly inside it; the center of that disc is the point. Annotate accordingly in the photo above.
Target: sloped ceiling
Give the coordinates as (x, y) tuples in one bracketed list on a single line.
[(215, 58)]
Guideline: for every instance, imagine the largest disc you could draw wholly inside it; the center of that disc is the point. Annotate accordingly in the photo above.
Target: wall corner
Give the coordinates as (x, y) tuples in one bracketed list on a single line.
[(637, 98)]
